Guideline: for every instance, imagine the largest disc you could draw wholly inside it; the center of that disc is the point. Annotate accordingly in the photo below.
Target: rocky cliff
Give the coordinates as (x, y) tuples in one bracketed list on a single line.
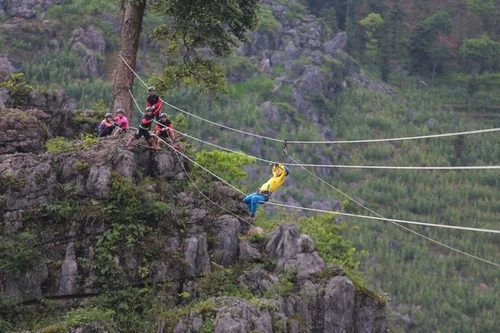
[(97, 217)]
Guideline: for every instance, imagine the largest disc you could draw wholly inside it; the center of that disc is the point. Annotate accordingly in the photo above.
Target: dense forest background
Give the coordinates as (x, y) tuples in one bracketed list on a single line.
[(440, 59)]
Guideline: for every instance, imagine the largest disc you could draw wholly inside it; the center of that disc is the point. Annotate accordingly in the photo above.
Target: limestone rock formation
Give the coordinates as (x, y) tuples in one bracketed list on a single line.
[(23, 132)]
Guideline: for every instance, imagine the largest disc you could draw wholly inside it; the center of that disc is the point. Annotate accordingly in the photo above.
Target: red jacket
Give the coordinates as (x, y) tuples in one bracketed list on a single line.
[(155, 101)]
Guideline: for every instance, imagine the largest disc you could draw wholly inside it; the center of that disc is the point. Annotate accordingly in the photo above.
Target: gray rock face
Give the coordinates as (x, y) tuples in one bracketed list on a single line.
[(30, 181), (6, 67), (296, 251), (196, 255), (90, 42), (23, 132), (91, 39), (21, 8), (248, 252), (69, 272), (27, 9), (339, 305), (236, 315), (227, 231)]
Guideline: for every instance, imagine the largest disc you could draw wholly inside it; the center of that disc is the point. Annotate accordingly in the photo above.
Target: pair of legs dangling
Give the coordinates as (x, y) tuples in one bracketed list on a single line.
[(253, 200)]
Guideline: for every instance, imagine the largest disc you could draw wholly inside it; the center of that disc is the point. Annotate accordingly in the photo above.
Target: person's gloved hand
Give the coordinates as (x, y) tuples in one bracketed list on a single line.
[(276, 164)]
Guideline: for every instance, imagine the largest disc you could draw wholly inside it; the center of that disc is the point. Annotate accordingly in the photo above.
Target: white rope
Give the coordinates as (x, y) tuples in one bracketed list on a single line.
[(489, 130), (493, 231), (311, 209), (187, 173), (473, 167), (393, 221)]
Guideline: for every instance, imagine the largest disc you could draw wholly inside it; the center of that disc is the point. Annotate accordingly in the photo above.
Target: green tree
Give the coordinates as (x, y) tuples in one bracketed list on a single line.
[(480, 53), (228, 166), (372, 24), (487, 12), (190, 26), (425, 52)]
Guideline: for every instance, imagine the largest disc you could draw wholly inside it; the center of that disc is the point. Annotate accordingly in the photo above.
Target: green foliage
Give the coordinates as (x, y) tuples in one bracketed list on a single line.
[(132, 308), (268, 24), (82, 167), (422, 48), (255, 85), (58, 145), (82, 316), (218, 26), (331, 246), (481, 52), (457, 198), (89, 141), (9, 182), (59, 211), (18, 253), (228, 166), (19, 89), (205, 308), (371, 24)]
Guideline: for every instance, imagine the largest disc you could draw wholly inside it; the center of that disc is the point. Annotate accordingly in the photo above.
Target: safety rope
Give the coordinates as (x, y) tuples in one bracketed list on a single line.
[(396, 222), (473, 167), (202, 167), (310, 209), (314, 142)]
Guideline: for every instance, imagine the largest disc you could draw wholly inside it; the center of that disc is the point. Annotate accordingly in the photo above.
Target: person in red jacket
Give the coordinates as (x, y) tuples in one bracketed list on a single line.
[(143, 130), (155, 102), (164, 128)]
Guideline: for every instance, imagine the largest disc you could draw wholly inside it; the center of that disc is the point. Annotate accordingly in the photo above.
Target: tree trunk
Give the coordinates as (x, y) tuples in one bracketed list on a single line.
[(132, 14)]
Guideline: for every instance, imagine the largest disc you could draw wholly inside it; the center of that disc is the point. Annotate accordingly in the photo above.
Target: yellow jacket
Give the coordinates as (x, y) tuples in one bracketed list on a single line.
[(278, 178)]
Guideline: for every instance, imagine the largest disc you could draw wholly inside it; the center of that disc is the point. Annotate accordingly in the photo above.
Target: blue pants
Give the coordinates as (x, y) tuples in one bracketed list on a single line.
[(252, 200)]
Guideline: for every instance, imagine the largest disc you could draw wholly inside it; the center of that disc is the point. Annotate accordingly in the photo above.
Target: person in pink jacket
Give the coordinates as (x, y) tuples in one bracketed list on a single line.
[(121, 121)]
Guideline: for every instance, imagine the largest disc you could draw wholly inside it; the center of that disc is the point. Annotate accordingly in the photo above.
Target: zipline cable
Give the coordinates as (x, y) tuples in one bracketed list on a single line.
[(489, 130), (396, 222), (472, 167), (310, 209), (380, 217), (189, 176)]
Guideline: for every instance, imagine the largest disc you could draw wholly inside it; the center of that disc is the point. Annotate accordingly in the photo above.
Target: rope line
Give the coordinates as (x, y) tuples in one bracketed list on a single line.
[(489, 130), (380, 217), (473, 167), (396, 222), (189, 176)]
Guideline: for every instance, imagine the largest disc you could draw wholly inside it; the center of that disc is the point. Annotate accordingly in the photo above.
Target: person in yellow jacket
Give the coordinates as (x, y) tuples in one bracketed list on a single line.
[(280, 172)]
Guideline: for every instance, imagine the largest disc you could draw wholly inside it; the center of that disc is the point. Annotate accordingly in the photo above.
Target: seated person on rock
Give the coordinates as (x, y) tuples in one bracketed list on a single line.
[(121, 121), (106, 126), (143, 130), (164, 128), (280, 172)]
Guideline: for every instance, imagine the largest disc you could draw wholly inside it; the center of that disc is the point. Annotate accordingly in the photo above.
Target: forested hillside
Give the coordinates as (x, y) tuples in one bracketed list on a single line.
[(330, 70)]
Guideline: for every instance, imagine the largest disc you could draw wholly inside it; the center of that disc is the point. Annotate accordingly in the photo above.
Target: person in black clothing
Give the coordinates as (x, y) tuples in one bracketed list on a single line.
[(155, 102), (164, 128), (144, 127), (106, 126)]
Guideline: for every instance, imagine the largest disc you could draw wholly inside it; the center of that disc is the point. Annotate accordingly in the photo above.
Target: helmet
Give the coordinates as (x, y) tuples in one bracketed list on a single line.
[(149, 109), (108, 115), (120, 111), (151, 88), (163, 115), (287, 171)]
